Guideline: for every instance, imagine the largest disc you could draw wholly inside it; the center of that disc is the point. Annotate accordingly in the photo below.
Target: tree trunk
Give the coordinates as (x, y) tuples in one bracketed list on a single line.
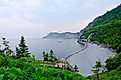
[(97, 77)]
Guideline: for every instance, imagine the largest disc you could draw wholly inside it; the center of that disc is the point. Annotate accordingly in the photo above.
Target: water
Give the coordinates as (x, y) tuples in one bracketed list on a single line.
[(61, 47), (85, 60)]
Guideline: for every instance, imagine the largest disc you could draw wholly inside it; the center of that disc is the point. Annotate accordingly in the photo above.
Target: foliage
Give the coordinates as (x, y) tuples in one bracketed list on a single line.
[(112, 75), (45, 56), (97, 69), (7, 50), (107, 33), (109, 15), (106, 29), (113, 62), (23, 69), (49, 56), (22, 50)]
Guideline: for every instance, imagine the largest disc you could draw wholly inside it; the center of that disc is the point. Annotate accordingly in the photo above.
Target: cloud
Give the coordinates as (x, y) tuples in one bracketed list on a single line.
[(36, 17), (69, 3), (18, 8), (65, 3), (17, 27), (73, 27), (21, 3)]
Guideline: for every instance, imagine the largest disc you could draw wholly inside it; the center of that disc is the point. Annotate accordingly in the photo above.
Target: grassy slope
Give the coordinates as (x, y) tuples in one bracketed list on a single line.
[(22, 69)]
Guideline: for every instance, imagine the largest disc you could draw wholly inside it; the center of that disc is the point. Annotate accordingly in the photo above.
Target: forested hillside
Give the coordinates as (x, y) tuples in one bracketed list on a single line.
[(106, 30)]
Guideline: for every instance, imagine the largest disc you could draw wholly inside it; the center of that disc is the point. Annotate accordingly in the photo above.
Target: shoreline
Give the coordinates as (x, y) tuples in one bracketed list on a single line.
[(104, 46), (86, 59), (86, 43)]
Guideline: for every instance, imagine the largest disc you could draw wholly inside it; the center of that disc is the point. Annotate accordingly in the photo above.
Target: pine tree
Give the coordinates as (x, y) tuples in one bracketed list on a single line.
[(45, 56), (22, 50), (51, 56), (7, 50), (97, 68)]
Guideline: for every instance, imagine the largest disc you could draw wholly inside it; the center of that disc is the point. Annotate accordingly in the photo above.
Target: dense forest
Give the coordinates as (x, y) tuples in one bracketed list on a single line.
[(106, 30)]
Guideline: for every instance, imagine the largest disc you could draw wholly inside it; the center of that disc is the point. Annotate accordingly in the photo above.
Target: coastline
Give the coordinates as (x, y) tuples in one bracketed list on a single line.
[(89, 55), (86, 59), (104, 46)]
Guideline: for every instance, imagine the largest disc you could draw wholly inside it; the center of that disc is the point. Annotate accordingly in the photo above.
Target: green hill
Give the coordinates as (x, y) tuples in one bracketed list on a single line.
[(106, 30), (27, 68)]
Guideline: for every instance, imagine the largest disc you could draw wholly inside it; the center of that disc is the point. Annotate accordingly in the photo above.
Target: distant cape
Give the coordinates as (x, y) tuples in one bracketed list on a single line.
[(65, 35)]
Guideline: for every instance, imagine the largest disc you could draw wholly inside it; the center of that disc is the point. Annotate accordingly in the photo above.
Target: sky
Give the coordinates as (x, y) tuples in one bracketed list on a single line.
[(36, 18)]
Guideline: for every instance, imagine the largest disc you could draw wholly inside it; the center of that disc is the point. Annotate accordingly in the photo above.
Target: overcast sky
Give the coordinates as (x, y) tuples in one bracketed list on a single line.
[(36, 18)]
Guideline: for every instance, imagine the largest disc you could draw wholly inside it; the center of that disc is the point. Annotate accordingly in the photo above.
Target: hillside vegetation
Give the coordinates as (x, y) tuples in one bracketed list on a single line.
[(23, 69), (106, 30)]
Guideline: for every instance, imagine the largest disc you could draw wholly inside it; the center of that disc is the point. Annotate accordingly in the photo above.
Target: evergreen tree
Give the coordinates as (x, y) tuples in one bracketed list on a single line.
[(7, 50), (51, 55), (22, 50), (97, 68), (45, 56)]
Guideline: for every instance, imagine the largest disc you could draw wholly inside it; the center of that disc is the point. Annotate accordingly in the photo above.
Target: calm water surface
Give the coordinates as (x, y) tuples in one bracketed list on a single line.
[(61, 47), (86, 59)]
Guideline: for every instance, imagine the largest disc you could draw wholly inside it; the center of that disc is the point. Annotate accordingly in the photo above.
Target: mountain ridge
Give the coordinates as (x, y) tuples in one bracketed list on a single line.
[(106, 29), (108, 15)]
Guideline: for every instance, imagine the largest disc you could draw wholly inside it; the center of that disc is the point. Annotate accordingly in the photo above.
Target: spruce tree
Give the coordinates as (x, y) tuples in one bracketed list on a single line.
[(97, 68), (45, 56), (7, 50), (51, 56), (22, 50)]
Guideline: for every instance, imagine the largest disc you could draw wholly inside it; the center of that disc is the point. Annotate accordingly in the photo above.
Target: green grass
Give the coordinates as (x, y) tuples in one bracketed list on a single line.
[(29, 69)]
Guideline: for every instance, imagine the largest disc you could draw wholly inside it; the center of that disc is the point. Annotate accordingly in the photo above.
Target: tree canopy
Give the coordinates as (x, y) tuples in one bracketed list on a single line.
[(22, 49)]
